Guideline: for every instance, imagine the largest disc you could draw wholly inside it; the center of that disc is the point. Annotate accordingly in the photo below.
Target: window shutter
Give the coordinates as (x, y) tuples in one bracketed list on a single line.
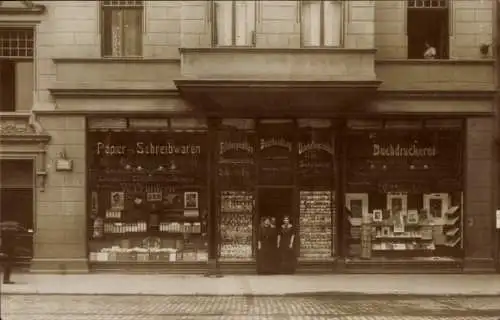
[(311, 23), (224, 22)]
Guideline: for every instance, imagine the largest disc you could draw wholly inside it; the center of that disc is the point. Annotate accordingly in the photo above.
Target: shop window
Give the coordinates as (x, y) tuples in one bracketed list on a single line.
[(148, 193), (236, 180), (429, 40), (316, 183), (16, 74), (122, 28), (234, 23), (404, 194), (321, 23)]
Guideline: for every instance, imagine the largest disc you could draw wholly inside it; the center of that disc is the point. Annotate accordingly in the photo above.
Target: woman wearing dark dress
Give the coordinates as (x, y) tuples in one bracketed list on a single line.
[(286, 245), (266, 246)]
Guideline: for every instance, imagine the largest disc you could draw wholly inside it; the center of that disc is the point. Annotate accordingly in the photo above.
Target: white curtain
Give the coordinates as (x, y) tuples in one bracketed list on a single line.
[(311, 23), (245, 22), (224, 22), (132, 32), (332, 22)]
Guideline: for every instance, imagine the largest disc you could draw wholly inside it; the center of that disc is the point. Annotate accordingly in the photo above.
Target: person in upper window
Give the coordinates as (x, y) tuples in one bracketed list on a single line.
[(430, 51)]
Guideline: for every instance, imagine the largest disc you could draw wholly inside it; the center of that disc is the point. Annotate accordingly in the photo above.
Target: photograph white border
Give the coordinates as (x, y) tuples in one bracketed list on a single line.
[(378, 215), (187, 195), (364, 200), (397, 195), (444, 197)]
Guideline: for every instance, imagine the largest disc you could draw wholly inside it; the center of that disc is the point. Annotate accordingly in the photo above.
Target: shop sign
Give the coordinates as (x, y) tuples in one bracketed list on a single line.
[(397, 150), (226, 146), (275, 142), (315, 146), (145, 148)]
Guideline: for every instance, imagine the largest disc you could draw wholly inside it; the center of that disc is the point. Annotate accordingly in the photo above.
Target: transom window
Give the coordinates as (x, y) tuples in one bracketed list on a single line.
[(16, 43), (427, 4), (122, 28)]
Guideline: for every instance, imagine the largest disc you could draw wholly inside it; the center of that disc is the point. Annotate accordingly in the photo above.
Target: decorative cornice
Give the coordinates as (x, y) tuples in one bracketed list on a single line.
[(28, 8), (274, 84), (436, 95), (112, 93), (274, 50), (21, 127)]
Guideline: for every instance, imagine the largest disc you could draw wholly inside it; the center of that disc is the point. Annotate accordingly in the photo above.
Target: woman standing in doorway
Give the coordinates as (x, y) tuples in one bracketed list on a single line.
[(266, 246), (286, 245)]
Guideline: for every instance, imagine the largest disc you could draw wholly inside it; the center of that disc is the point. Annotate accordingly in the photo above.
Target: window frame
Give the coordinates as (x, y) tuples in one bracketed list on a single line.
[(444, 5), (322, 25), (214, 36), (121, 5)]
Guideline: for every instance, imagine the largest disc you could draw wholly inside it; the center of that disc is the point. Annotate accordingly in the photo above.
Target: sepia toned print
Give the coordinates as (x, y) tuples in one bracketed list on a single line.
[(249, 148)]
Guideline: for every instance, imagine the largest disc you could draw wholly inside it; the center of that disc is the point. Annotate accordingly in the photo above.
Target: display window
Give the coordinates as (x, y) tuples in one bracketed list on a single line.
[(404, 194), (148, 197), (236, 178), (316, 184)]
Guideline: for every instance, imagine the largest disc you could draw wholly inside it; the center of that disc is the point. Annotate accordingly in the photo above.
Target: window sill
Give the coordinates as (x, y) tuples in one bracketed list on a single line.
[(275, 50), (114, 59), (435, 61)]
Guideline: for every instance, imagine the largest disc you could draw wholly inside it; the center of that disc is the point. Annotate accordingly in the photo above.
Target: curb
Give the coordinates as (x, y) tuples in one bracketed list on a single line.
[(333, 294)]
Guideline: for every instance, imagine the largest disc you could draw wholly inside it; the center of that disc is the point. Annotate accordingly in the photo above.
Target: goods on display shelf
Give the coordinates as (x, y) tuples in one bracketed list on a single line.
[(432, 230), (236, 220), (316, 229), (139, 254)]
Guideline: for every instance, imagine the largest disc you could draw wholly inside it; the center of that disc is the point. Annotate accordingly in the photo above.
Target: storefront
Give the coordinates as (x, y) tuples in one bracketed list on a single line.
[(178, 192)]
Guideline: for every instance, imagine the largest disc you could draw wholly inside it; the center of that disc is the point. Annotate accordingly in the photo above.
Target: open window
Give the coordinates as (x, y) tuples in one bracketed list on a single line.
[(234, 23), (428, 23), (16, 69)]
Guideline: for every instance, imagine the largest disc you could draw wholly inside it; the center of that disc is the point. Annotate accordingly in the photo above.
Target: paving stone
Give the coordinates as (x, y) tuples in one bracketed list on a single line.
[(59, 307)]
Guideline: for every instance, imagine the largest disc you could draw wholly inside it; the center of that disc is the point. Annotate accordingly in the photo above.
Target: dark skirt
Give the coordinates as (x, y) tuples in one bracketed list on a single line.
[(267, 259), (288, 260)]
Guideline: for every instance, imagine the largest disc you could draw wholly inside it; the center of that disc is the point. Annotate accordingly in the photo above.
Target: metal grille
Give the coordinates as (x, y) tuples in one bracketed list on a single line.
[(123, 3), (16, 43), (427, 4)]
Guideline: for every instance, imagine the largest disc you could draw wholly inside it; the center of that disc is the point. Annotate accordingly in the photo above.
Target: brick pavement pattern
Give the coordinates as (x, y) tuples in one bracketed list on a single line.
[(86, 307)]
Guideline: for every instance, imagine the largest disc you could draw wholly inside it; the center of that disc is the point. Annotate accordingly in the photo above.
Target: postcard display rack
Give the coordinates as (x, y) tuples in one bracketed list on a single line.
[(236, 220), (156, 223), (316, 228), (396, 231)]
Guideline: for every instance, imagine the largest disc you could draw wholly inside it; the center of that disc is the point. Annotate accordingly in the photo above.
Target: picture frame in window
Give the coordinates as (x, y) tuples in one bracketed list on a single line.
[(399, 224), (357, 204), (436, 205), (378, 215), (117, 199), (413, 217), (397, 203), (386, 232), (191, 200)]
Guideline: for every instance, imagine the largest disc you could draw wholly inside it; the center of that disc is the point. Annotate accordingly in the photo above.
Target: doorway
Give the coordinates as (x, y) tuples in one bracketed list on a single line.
[(276, 203)]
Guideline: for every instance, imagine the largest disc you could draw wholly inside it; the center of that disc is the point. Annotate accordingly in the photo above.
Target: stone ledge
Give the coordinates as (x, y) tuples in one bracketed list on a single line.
[(60, 266)]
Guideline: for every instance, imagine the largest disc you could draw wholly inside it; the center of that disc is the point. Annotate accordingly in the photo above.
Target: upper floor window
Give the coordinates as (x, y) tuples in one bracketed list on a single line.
[(428, 29), (16, 46), (321, 23), (234, 23), (122, 26)]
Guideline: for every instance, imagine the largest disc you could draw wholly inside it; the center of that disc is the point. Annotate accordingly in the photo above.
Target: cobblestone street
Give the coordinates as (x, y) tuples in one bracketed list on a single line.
[(45, 307)]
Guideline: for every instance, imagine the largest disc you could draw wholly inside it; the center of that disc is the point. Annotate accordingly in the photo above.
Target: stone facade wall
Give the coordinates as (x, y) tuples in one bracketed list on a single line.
[(61, 220)]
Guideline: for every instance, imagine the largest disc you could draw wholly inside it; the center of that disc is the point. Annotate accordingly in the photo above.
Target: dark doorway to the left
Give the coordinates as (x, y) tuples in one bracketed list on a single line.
[(17, 204)]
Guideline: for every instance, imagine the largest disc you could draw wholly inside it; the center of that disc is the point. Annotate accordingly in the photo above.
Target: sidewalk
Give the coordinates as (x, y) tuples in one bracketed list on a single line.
[(125, 284)]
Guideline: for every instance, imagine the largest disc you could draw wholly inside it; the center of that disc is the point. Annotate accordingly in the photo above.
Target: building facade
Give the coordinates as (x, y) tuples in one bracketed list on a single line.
[(159, 134)]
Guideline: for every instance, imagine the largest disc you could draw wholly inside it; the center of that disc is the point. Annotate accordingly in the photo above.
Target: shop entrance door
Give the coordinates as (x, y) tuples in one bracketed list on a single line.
[(16, 203), (276, 203)]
